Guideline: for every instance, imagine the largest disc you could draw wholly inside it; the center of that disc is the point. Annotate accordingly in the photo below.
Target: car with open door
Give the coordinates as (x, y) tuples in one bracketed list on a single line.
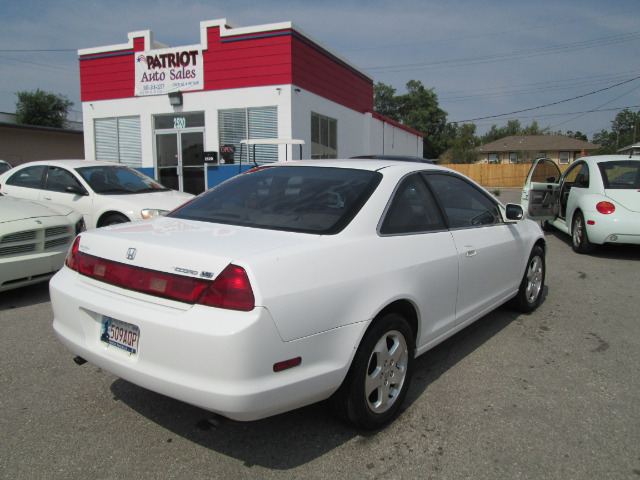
[(596, 200)]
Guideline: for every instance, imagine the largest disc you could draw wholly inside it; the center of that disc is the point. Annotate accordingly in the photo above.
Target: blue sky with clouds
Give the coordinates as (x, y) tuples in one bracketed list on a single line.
[(486, 60)]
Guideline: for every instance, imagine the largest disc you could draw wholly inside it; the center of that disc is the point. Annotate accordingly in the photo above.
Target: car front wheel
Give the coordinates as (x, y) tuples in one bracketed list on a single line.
[(532, 284), (373, 391), (581, 243), (113, 219)]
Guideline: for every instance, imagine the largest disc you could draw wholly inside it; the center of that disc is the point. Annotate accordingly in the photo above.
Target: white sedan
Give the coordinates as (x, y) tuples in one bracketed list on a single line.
[(596, 200), (295, 283), (34, 240), (105, 193)]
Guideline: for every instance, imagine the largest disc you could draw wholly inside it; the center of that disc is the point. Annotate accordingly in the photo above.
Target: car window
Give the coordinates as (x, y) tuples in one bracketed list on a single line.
[(571, 175), (412, 209), (117, 179), (319, 200), (58, 179), (545, 171), (620, 175), (582, 178), (28, 177), (464, 204)]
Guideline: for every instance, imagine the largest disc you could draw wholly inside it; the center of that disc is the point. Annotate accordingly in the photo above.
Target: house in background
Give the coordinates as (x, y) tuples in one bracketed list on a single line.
[(630, 149), (526, 148)]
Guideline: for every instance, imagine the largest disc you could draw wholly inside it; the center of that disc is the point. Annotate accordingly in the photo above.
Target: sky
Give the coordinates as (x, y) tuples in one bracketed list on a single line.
[(569, 65)]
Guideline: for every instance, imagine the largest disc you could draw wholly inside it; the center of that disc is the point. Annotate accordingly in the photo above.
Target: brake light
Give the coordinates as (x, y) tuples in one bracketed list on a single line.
[(605, 208), (231, 290), (72, 256)]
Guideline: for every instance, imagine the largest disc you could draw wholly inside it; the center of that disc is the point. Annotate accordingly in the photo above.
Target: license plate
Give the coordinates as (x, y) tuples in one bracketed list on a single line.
[(120, 334)]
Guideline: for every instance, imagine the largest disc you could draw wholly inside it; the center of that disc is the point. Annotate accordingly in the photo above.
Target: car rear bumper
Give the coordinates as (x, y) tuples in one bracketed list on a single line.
[(614, 229), (216, 359)]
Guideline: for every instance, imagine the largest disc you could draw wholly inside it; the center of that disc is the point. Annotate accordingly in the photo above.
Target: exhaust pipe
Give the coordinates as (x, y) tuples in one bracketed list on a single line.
[(79, 360)]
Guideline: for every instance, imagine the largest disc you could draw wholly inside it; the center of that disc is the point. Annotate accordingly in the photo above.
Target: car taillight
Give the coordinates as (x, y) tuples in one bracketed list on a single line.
[(605, 208), (231, 290), (72, 255)]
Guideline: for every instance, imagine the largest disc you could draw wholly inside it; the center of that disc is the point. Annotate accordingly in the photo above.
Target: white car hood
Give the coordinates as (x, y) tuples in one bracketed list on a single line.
[(628, 198), (183, 247), (12, 209)]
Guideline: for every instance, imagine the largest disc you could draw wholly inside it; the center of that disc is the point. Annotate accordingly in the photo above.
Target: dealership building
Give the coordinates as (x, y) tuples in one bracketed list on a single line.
[(193, 116)]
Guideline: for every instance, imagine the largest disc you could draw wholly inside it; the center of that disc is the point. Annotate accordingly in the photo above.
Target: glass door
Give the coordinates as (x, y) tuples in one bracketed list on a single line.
[(180, 161), (167, 160)]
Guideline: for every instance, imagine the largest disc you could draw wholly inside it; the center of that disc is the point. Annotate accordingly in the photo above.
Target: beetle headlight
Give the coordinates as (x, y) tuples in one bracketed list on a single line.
[(153, 212)]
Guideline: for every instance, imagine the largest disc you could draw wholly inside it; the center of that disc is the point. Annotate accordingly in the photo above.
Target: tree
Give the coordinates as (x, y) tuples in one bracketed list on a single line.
[(384, 101), (42, 108), (461, 142), (623, 133), (418, 109)]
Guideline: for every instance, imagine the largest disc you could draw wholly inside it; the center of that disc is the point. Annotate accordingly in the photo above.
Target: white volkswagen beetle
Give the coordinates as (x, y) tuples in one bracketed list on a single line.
[(596, 200), (105, 193), (34, 240), (295, 283)]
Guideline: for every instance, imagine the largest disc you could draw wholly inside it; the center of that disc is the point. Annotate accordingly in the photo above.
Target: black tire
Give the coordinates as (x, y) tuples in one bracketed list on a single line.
[(382, 366), (532, 284), (113, 219), (579, 238)]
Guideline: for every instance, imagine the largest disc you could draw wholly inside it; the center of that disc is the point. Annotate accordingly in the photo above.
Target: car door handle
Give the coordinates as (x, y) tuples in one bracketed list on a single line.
[(471, 252), (47, 198)]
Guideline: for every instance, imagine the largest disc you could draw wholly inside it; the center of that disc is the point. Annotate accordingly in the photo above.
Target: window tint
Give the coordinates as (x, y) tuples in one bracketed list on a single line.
[(28, 177), (463, 203), (412, 209), (58, 179), (582, 179), (298, 199), (622, 174)]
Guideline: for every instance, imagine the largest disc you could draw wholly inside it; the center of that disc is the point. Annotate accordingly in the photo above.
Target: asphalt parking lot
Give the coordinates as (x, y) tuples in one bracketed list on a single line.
[(550, 395)]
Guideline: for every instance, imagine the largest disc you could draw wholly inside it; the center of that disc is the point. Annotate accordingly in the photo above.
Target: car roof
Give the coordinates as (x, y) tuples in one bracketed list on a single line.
[(402, 158), (610, 158), (373, 164)]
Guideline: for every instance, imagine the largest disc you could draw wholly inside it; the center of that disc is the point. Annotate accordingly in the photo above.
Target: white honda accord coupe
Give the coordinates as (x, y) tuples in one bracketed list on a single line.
[(105, 193), (295, 283)]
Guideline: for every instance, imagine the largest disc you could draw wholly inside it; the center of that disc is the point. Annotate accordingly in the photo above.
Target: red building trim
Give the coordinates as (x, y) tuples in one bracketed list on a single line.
[(255, 59)]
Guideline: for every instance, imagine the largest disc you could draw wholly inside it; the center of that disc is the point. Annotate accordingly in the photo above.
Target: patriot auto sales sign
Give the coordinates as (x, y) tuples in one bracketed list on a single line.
[(167, 70)]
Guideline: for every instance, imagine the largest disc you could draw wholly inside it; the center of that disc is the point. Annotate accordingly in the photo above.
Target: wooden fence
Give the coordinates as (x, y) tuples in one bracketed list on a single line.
[(500, 175)]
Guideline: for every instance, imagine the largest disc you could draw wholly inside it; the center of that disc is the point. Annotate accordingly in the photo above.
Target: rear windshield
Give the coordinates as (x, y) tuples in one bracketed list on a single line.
[(298, 199), (621, 174)]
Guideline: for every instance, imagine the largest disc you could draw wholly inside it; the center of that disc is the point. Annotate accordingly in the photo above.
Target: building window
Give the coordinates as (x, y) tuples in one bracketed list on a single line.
[(513, 157), (493, 158), (118, 140), (324, 136), (563, 158), (236, 124)]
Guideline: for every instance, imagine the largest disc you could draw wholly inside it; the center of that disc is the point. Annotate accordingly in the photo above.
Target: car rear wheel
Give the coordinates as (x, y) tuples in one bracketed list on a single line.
[(532, 284), (581, 243), (373, 391)]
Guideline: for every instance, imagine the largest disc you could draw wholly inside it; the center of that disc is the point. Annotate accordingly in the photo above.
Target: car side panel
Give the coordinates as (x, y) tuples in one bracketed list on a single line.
[(305, 297)]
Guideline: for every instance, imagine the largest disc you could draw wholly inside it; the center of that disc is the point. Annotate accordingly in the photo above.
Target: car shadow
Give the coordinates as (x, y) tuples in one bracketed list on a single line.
[(610, 251), (306, 433), (24, 296)]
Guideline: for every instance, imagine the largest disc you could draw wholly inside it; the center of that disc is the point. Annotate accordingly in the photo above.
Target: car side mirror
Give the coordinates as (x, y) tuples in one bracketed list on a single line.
[(514, 212), (552, 179), (76, 190)]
